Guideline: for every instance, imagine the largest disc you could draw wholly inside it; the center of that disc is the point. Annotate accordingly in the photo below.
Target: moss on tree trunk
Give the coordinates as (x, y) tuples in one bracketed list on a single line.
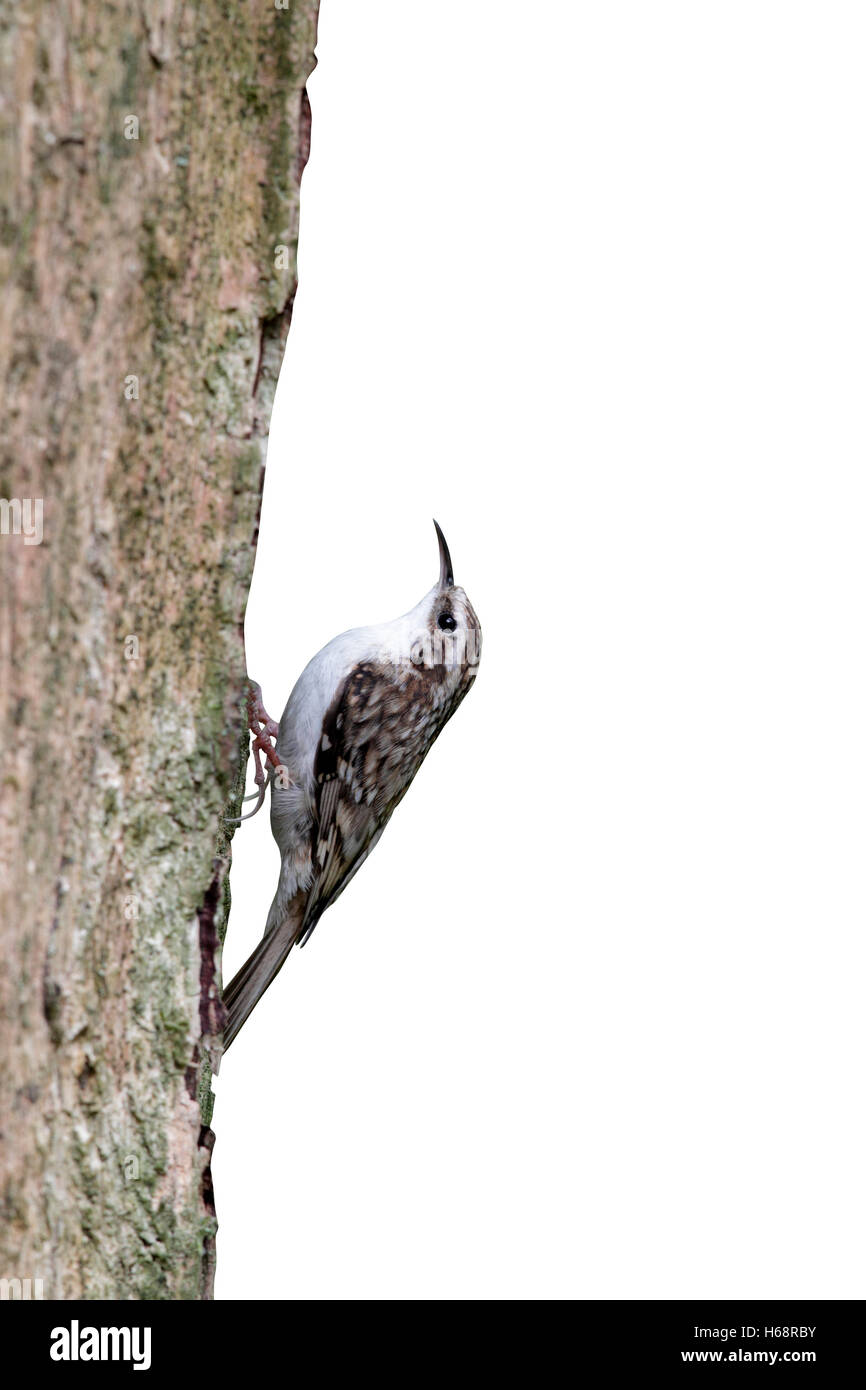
[(150, 158)]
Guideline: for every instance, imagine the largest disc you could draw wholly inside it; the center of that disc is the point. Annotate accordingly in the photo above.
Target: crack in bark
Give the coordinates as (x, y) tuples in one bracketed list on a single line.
[(212, 1013)]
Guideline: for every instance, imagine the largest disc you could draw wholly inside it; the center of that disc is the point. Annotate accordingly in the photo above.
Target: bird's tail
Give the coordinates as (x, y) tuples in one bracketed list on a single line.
[(242, 994)]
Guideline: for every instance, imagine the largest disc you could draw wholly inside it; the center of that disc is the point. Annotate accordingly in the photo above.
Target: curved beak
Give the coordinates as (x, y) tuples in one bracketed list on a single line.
[(446, 573)]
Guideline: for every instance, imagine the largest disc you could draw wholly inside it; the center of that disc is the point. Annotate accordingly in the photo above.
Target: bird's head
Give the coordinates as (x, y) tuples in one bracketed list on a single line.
[(447, 635)]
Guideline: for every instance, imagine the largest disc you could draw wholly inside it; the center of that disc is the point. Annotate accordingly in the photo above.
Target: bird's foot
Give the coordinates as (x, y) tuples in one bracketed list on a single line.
[(264, 731)]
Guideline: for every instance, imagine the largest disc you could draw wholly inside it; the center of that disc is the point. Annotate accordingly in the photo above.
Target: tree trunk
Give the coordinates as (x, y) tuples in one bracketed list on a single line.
[(150, 157)]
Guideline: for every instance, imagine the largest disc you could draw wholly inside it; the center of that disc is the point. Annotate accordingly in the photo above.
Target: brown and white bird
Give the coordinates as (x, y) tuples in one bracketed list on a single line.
[(357, 727)]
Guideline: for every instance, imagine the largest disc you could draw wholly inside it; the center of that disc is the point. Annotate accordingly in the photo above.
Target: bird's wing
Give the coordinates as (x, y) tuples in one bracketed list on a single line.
[(374, 737)]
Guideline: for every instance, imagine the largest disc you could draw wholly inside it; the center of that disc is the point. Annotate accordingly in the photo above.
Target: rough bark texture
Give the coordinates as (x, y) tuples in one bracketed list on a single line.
[(150, 157)]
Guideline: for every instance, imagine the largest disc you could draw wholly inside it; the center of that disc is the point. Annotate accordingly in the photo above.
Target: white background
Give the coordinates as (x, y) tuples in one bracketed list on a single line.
[(588, 283)]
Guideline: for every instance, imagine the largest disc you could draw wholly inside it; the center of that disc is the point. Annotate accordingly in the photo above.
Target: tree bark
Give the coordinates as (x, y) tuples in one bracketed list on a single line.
[(150, 158)]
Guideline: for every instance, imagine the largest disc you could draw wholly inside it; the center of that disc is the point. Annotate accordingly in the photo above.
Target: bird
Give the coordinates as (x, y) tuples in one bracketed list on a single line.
[(358, 724)]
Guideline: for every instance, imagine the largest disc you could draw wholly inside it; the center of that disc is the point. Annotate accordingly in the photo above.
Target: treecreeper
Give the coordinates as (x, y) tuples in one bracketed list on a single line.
[(357, 727)]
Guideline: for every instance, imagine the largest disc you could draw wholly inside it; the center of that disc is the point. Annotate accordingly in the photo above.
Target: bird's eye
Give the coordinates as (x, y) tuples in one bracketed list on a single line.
[(447, 622)]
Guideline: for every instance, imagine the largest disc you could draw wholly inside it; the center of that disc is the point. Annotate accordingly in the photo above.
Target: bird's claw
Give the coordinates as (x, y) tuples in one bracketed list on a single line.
[(262, 736), (264, 731)]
